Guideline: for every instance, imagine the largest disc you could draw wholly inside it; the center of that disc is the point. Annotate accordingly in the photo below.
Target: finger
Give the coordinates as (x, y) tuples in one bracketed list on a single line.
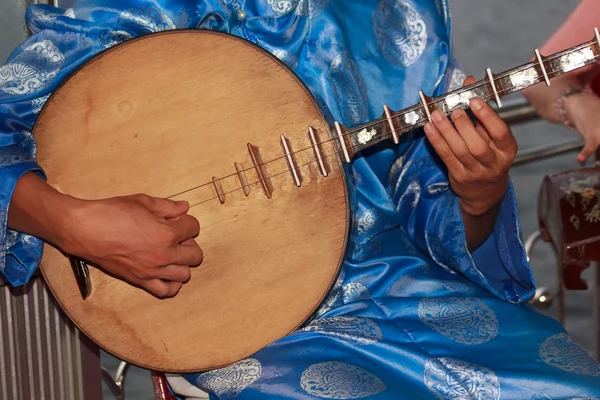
[(187, 253), (483, 133), (453, 139), (174, 273), (164, 208), (586, 152), (469, 80), (162, 289), (494, 125), (441, 147), (476, 145), (185, 227)]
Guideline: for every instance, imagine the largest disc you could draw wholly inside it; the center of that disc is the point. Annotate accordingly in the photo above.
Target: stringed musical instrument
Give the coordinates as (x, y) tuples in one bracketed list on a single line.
[(262, 170)]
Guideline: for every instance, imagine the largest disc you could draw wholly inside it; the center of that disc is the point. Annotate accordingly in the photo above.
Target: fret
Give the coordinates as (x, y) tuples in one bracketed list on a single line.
[(493, 87), (241, 172), (492, 84), (294, 170), (425, 104), (341, 136), (388, 116), (540, 61), (317, 151), (219, 189)]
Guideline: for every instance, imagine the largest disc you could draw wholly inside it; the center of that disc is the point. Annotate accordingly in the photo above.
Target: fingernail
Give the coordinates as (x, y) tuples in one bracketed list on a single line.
[(456, 114), (437, 115), (428, 128), (476, 104)]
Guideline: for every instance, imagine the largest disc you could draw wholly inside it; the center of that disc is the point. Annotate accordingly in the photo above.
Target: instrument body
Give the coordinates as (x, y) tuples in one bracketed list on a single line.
[(162, 114)]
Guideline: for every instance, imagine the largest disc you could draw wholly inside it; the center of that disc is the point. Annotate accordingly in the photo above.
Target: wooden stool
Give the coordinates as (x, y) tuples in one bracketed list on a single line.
[(161, 389), (569, 218)]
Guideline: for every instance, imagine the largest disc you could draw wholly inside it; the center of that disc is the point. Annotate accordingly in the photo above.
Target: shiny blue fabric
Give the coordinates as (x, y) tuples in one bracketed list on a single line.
[(414, 314)]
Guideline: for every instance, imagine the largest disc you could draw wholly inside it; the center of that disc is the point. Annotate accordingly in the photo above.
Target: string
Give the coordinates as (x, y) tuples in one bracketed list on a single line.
[(385, 134), (418, 107)]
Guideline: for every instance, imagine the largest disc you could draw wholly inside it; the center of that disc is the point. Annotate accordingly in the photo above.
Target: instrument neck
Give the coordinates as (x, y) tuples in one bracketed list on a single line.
[(392, 124)]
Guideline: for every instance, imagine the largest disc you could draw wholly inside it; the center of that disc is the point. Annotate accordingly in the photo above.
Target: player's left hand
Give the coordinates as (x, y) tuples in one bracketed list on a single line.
[(478, 157)]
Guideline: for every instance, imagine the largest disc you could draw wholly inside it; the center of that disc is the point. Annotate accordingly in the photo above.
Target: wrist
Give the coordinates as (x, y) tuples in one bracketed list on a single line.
[(37, 209), (476, 209), (483, 205), (478, 222), (63, 219), (549, 101), (567, 104), (578, 104)]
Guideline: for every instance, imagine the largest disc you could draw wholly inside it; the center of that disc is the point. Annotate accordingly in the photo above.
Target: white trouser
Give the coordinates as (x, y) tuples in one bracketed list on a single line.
[(185, 389)]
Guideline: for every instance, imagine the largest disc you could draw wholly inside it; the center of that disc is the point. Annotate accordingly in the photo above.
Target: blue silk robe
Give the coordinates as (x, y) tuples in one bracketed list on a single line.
[(414, 314)]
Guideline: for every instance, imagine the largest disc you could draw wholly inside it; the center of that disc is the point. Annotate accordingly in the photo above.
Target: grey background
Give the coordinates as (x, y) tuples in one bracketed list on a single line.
[(487, 33)]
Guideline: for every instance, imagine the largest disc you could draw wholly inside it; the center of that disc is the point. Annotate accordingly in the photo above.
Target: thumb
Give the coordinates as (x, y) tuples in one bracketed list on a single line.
[(165, 208), (586, 152)]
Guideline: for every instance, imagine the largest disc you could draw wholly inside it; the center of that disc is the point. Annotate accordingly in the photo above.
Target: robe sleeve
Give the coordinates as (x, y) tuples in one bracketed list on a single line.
[(34, 69), (432, 218)]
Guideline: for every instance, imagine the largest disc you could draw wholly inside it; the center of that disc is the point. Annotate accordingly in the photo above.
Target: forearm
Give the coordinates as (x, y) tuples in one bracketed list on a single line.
[(38, 209), (544, 98), (577, 28), (479, 227)]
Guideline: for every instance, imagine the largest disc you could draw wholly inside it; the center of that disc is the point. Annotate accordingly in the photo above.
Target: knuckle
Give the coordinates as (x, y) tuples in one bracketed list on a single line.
[(141, 197), (142, 273), (501, 132), (477, 178), (159, 290), (174, 289), (187, 274), (498, 174), (461, 153), (480, 152), (199, 256), (170, 235), (195, 224), (515, 148), (510, 155), (460, 178), (444, 154), (493, 179), (161, 258), (479, 174)]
